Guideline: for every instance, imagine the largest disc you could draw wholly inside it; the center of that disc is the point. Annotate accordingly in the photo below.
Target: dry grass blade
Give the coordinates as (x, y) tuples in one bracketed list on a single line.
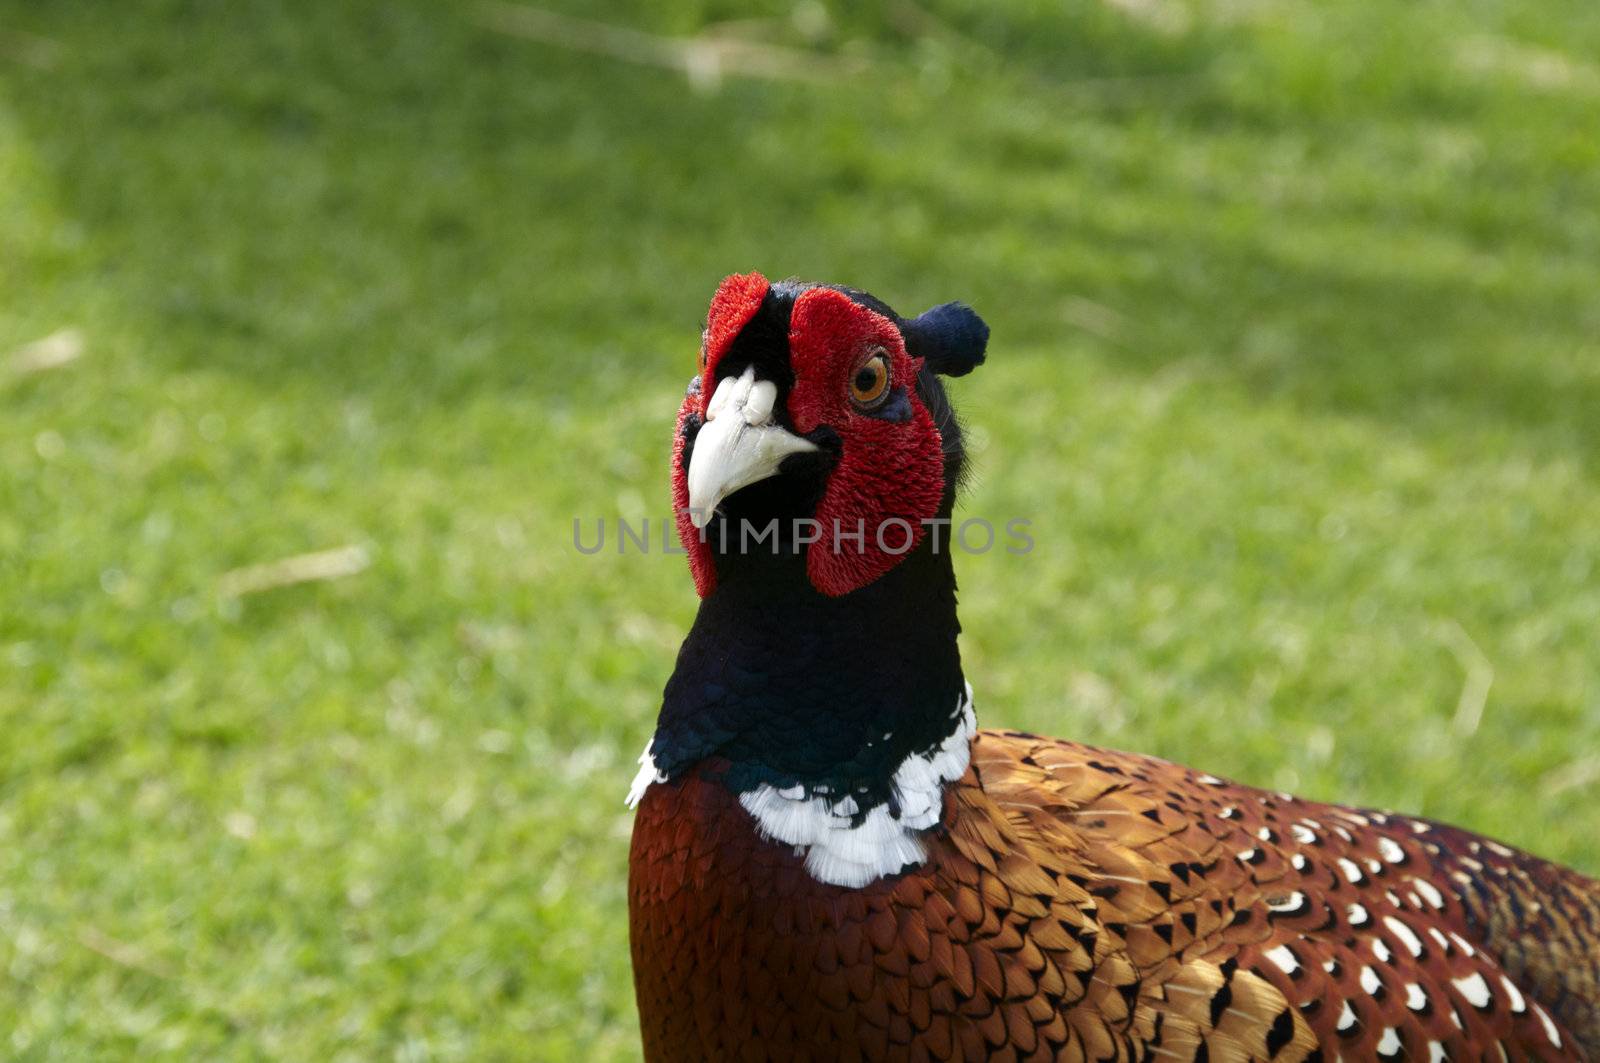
[(1479, 677), (123, 954), (301, 568), (1097, 319), (51, 352), (704, 59), (29, 49), (1582, 772), (1541, 69)]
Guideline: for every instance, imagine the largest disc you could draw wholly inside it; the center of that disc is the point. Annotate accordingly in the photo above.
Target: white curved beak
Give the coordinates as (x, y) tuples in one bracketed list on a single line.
[(738, 445)]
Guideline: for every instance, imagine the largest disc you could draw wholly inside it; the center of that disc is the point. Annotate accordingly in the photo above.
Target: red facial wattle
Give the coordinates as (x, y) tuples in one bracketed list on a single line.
[(890, 473), (735, 303), (890, 476), (701, 565)]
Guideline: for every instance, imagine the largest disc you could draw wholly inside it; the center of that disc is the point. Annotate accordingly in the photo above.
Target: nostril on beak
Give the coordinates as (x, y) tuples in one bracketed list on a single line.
[(731, 394), (758, 407), (738, 444)]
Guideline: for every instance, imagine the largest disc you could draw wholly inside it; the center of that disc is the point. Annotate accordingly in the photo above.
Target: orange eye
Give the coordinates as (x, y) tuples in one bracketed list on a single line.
[(870, 386)]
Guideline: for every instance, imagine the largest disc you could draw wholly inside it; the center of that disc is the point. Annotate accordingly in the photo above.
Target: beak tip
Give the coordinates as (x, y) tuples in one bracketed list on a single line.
[(738, 445)]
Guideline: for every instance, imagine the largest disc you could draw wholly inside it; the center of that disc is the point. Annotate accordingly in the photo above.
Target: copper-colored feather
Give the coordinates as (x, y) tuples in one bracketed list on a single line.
[(1083, 904)]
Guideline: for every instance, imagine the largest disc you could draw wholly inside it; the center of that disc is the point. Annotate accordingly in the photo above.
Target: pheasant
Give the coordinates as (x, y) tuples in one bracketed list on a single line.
[(829, 860)]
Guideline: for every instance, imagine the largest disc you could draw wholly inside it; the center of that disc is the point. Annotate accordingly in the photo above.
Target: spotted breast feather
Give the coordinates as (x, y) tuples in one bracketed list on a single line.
[(1082, 904)]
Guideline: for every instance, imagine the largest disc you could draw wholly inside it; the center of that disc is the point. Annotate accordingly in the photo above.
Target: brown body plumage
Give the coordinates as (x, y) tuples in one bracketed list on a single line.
[(830, 862), (1084, 904)]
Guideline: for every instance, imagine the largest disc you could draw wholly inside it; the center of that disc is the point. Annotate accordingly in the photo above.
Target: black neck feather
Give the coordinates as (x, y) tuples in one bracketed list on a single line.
[(786, 685), (790, 686)]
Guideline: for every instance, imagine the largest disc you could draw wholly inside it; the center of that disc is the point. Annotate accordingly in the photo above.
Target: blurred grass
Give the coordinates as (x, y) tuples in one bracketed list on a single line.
[(1296, 370)]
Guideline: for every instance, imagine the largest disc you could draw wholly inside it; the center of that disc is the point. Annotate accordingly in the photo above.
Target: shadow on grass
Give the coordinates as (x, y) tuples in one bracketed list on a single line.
[(394, 199)]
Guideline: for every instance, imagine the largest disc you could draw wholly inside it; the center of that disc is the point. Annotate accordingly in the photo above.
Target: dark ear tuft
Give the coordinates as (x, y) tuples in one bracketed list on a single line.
[(951, 338)]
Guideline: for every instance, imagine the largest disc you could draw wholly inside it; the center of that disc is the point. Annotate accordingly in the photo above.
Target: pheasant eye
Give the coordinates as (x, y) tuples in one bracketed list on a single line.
[(705, 342), (871, 383)]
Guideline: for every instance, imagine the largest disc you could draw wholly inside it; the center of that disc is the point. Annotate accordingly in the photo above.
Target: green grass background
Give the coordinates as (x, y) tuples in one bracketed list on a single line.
[(1296, 370)]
